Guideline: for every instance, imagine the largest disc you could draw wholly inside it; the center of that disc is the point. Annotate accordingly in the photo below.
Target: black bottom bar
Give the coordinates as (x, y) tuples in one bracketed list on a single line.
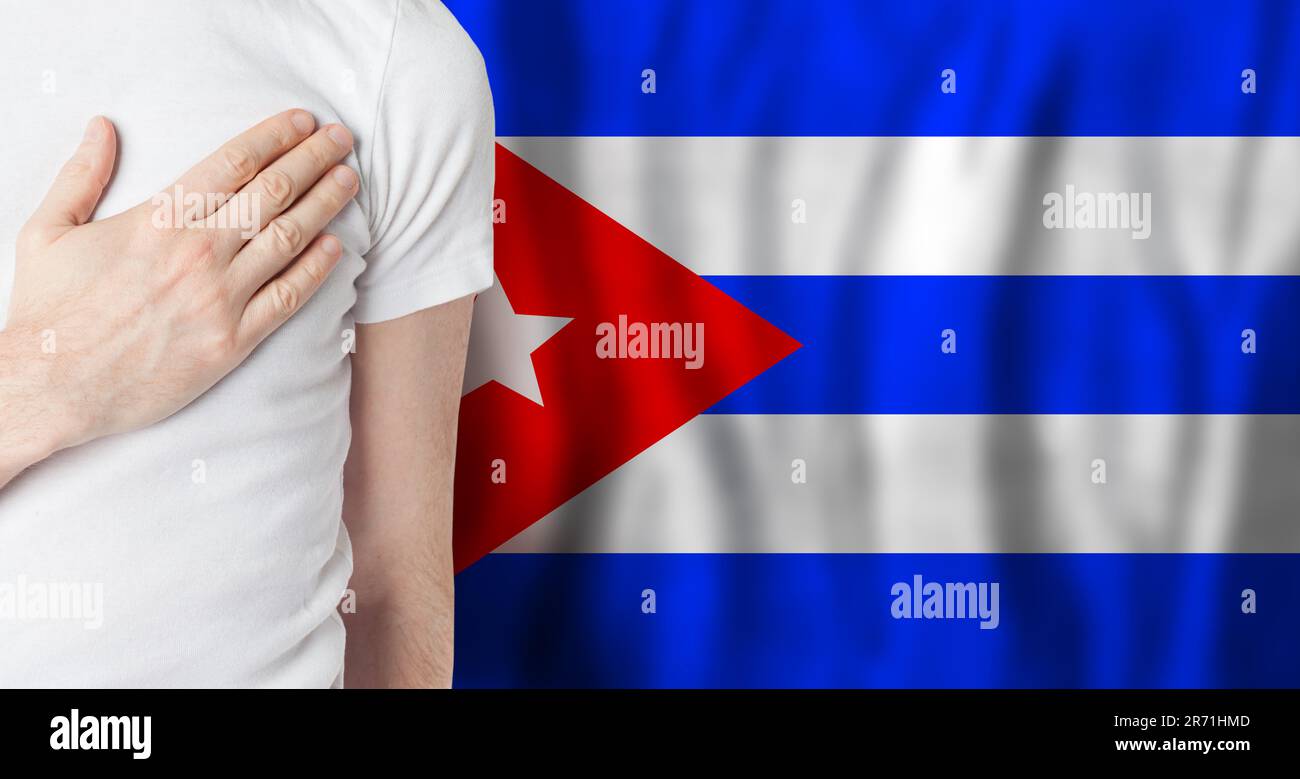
[(442, 729)]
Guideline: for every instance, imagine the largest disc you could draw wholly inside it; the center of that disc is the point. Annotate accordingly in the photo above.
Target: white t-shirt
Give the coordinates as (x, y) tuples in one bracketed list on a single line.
[(215, 537)]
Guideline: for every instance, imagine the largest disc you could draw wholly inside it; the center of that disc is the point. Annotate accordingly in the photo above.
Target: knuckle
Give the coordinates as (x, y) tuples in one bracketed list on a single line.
[(325, 200), (284, 296), (278, 187), (335, 197), (221, 343), (286, 234), (315, 272), (320, 156), (76, 168), (281, 134), (240, 162)]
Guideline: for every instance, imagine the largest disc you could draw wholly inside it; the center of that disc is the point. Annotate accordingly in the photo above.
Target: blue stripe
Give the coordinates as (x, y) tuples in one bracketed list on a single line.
[(802, 67), (825, 620), (1025, 344)]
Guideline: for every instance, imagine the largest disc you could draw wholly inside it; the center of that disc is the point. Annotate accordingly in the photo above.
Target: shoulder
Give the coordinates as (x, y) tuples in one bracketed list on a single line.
[(428, 40)]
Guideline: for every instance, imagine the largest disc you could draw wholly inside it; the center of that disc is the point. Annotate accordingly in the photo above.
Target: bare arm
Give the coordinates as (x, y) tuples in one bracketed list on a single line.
[(33, 425), (406, 383)]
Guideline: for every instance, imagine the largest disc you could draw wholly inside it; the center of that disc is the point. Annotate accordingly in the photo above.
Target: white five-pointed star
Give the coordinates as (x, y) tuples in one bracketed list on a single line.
[(501, 344)]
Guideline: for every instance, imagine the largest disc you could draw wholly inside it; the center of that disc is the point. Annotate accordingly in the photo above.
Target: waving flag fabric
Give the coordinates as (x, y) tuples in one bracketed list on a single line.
[(998, 299)]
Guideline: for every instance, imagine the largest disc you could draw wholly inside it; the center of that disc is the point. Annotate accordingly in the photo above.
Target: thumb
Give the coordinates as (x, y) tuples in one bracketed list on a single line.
[(76, 190)]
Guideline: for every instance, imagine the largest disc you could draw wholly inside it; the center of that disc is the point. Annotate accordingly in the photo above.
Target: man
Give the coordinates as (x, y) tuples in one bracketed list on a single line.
[(195, 370)]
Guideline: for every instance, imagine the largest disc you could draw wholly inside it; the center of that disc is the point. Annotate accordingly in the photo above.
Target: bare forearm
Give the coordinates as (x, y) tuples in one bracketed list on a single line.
[(406, 382), (33, 422), (401, 633), (397, 506)]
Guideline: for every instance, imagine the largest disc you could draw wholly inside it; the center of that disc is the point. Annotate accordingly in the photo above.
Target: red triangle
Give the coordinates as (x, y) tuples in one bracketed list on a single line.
[(557, 255)]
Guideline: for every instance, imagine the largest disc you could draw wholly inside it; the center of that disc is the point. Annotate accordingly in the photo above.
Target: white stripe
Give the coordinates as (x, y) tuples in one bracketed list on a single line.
[(947, 206), (897, 483)]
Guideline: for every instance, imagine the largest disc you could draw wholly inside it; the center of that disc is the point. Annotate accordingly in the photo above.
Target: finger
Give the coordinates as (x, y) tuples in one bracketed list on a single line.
[(80, 183), (286, 236), (286, 294), (229, 168), (277, 187)]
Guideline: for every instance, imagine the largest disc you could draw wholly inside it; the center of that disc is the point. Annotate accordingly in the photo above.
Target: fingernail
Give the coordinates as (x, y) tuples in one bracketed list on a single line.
[(340, 135), (345, 177), (95, 129), (302, 121), (331, 245)]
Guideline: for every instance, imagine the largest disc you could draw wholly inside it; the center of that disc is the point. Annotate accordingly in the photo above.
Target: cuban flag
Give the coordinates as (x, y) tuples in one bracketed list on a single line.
[(933, 344)]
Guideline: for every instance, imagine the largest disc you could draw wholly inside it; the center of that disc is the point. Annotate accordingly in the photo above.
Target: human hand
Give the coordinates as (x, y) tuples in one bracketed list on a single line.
[(118, 323)]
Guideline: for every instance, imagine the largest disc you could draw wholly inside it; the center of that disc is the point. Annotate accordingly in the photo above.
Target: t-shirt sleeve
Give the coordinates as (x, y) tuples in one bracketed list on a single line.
[(430, 170)]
